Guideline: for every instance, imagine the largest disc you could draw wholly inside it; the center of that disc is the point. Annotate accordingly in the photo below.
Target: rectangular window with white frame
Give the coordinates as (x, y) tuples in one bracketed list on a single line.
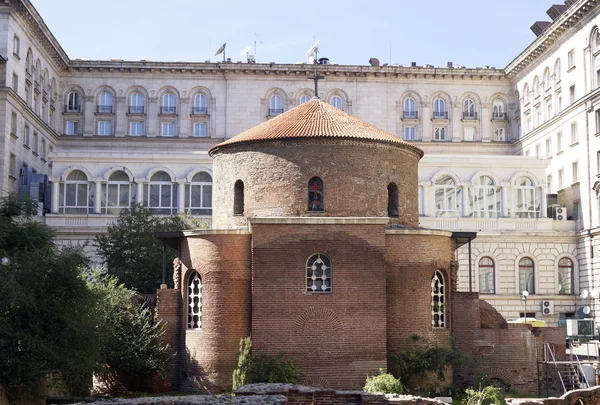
[(572, 94), (440, 134), (561, 179), (200, 130), (575, 169), (469, 133), (104, 128), (72, 127), (597, 115), (43, 151), (548, 147), (136, 128), (500, 135), (13, 123), (15, 83), (26, 140), (574, 135), (559, 142), (550, 185), (168, 129), (16, 46), (410, 133), (12, 169), (34, 145), (571, 59)]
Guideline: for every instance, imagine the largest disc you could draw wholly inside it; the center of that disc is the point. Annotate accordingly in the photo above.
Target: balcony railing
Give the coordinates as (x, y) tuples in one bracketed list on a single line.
[(440, 115), (469, 115), (70, 108), (199, 110), (410, 115), (275, 111), (104, 109), (168, 110), (136, 109), (499, 116)]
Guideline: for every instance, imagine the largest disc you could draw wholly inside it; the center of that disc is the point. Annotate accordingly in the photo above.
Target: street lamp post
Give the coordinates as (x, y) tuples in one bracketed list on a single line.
[(524, 296)]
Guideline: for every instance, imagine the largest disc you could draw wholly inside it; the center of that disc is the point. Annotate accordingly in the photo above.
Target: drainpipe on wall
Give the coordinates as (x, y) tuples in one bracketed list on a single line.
[(470, 269)]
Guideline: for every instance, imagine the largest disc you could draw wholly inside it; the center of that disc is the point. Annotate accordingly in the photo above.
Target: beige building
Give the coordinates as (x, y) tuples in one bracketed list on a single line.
[(499, 143)]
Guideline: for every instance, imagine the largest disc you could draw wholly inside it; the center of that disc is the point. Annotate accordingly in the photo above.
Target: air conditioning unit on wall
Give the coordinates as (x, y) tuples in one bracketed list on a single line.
[(560, 213), (547, 308)]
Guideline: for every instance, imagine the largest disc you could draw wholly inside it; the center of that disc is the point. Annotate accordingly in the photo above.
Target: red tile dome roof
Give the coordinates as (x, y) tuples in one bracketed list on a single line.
[(313, 119)]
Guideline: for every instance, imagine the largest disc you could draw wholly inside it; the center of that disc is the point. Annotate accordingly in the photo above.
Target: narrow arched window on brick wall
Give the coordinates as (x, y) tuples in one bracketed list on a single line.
[(318, 274), (438, 301), (195, 301), (315, 195), (238, 198), (392, 200)]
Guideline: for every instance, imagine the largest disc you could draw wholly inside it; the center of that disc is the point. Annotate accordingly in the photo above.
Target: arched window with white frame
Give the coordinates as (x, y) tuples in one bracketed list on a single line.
[(200, 106), (526, 94), (194, 301), (439, 109), (566, 276), (117, 193), (410, 108), (76, 194), (304, 99), (536, 87), (438, 301), (469, 110), (595, 44), (161, 194), (198, 194), (136, 103), (73, 102), (337, 102), (105, 103), (486, 275), (499, 109), (318, 274), (447, 197), (168, 104), (526, 275), (526, 198), (484, 198), (557, 71), (275, 105)]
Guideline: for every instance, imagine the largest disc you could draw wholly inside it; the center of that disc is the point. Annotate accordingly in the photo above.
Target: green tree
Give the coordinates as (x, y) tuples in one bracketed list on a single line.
[(132, 253), (46, 309)]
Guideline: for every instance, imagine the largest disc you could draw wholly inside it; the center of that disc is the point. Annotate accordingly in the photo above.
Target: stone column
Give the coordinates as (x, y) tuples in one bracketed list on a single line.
[(97, 196), (55, 190), (120, 117), (504, 187), (486, 123), (429, 196), (184, 118), (88, 119), (153, 121), (464, 199), (139, 192), (543, 202), (180, 196), (426, 126), (424, 205)]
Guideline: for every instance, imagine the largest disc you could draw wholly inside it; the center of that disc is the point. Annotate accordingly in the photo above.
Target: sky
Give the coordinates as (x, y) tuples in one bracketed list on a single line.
[(469, 33)]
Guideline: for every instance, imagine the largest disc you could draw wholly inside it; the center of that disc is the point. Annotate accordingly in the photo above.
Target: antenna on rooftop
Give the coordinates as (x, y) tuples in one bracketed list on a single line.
[(313, 52)]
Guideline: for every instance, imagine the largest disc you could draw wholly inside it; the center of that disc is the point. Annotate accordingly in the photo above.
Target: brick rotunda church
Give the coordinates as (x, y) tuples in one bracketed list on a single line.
[(315, 250)]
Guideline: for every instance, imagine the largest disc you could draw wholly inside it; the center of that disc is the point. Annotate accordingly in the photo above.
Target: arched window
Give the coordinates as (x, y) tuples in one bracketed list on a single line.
[(392, 200), (565, 276), (526, 276), (73, 102), (136, 103), (557, 72), (536, 86), (238, 198), (439, 109), (117, 193), (77, 197), (486, 276), (410, 108), (318, 274), (337, 102), (527, 200), (200, 104), (526, 94), (275, 105), (499, 109), (484, 198), (198, 195), (168, 106), (315, 195), (595, 43), (162, 194), (194, 301), (29, 62), (469, 111), (304, 99), (447, 197), (546, 79), (438, 301), (105, 103)]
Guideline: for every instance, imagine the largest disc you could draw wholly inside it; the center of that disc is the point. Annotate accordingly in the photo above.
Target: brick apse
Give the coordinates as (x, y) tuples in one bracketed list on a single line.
[(315, 250)]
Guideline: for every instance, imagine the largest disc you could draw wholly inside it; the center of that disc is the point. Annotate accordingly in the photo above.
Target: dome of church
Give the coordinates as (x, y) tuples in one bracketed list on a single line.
[(313, 119)]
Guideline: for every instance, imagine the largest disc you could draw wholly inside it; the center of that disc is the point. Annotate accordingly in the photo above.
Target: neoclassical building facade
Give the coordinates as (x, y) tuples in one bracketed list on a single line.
[(503, 147)]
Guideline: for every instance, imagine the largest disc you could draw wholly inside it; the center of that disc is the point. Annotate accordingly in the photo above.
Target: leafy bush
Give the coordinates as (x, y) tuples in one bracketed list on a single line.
[(263, 368), (488, 395), (421, 357), (384, 383)]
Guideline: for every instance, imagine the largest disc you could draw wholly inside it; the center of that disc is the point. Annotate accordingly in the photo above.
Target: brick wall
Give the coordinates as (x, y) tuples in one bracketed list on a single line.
[(168, 310)]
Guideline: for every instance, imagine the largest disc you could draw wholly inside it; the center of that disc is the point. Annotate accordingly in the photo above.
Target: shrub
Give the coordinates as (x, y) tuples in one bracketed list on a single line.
[(488, 395), (384, 383), (242, 372)]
